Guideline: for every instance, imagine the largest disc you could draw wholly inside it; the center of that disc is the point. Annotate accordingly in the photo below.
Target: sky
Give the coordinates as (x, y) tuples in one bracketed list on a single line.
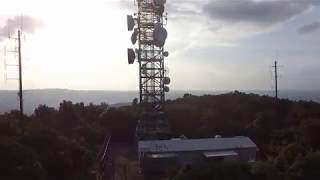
[(213, 44)]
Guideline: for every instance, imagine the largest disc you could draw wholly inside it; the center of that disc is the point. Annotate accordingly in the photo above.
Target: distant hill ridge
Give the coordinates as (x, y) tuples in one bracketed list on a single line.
[(53, 97)]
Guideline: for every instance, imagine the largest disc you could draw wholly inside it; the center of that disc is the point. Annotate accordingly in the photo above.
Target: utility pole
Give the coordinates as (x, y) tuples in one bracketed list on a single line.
[(276, 78), (20, 82), (17, 51)]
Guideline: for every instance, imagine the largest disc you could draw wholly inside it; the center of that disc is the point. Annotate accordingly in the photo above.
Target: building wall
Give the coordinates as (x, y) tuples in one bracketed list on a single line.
[(188, 158), (247, 155), (158, 165), (195, 158)]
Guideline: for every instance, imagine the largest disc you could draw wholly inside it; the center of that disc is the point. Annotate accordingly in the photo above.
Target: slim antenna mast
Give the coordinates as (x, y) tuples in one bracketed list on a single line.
[(20, 82), (276, 78), (17, 51)]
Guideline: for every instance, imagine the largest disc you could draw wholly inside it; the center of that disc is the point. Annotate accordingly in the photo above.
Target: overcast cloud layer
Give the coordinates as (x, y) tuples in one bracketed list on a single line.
[(250, 16), (261, 13), (258, 12), (310, 28), (216, 24)]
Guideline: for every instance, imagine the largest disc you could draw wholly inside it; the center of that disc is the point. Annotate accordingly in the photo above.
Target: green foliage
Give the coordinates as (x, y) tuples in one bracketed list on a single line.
[(311, 166), (225, 171), (62, 144), (57, 144), (121, 123), (7, 127), (135, 102), (67, 119), (285, 131), (19, 162), (311, 135), (289, 155), (265, 170)]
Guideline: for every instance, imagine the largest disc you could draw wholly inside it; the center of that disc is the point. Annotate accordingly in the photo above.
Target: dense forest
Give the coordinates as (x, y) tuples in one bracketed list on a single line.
[(63, 143)]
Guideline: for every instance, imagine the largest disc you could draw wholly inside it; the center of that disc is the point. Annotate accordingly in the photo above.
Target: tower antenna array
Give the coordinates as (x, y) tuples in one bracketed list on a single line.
[(150, 35)]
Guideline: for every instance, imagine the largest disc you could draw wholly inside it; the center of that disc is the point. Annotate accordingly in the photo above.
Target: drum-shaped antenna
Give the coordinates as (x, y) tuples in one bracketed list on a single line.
[(131, 56), (166, 80), (166, 89), (130, 22), (159, 35), (166, 54)]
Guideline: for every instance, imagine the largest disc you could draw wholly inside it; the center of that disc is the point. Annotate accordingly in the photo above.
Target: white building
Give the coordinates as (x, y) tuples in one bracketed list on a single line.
[(158, 155)]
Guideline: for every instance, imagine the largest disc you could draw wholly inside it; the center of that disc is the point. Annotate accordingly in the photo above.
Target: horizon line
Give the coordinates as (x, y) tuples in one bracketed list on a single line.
[(132, 90)]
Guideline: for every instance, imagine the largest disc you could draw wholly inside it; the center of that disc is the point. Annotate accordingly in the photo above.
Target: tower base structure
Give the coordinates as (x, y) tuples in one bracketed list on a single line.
[(153, 126)]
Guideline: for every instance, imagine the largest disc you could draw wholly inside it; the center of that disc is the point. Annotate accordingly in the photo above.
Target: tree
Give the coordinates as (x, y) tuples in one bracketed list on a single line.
[(265, 170), (311, 129), (19, 162), (46, 115), (121, 123), (67, 120), (311, 166), (135, 102)]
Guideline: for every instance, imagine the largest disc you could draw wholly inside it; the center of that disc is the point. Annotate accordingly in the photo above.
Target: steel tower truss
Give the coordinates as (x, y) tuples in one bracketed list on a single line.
[(150, 58), (152, 80)]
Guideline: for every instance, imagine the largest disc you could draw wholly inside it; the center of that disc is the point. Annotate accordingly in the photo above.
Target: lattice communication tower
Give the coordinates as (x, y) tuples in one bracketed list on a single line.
[(150, 36)]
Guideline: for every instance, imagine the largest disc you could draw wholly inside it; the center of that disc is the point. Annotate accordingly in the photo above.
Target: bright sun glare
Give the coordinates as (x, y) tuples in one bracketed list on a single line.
[(80, 45)]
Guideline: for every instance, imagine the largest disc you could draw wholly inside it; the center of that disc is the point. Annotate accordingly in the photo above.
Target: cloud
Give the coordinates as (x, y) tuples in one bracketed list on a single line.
[(26, 23), (183, 8), (309, 28), (176, 8), (261, 13), (123, 4), (224, 22), (258, 13)]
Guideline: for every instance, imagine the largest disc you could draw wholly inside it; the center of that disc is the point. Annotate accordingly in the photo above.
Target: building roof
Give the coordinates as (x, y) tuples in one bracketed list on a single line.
[(210, 144), (162, 155), (219, 154)]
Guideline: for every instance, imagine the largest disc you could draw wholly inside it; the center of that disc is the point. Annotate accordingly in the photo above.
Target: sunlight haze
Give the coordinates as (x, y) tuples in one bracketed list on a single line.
[(83, 44)]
